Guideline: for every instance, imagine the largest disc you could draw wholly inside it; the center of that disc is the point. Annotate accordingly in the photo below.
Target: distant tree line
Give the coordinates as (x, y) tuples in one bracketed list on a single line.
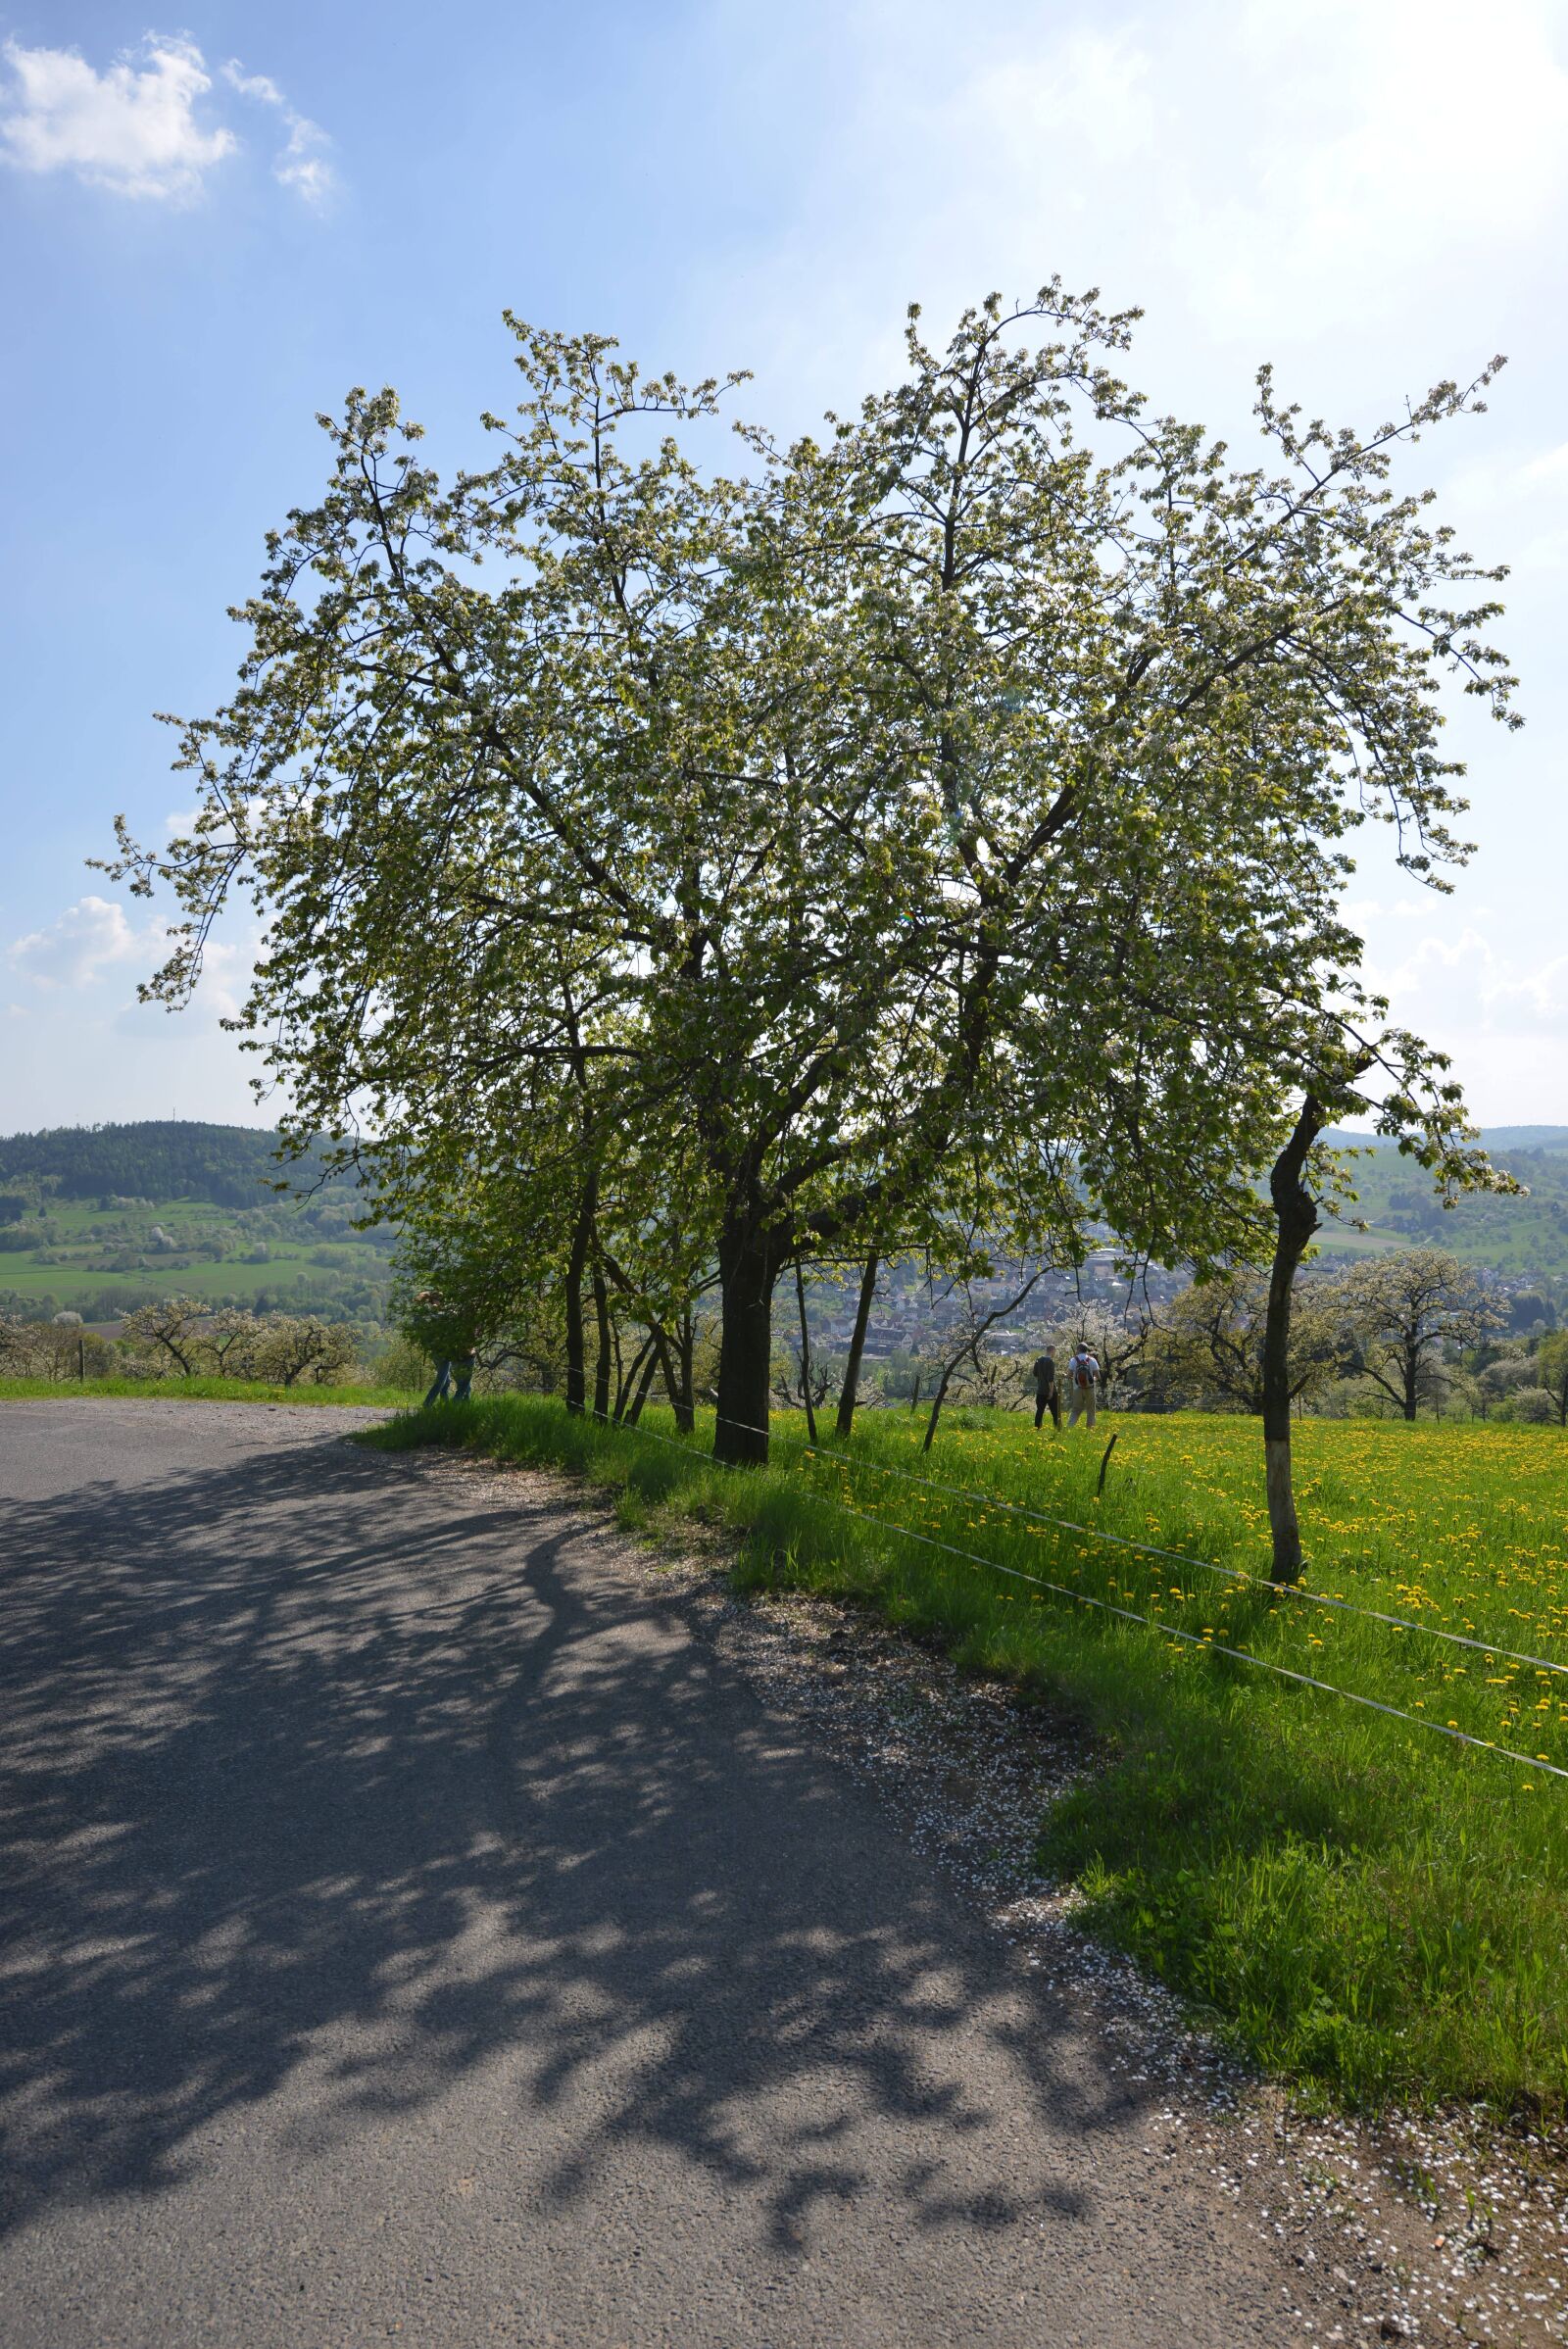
[(182, 1338), (233, 1166)]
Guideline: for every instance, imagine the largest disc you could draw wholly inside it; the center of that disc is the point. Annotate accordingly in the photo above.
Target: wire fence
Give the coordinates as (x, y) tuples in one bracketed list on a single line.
[(1084, 1598), (1154, 1550)]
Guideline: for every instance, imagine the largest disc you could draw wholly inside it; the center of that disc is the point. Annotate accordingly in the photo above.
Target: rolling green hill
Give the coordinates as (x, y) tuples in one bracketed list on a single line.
[(100, 1219), (230, 1166), (1517, 1236), (103, 1218)]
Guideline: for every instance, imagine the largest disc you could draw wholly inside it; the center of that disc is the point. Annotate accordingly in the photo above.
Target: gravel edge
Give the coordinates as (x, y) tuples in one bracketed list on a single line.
[(1424, 2227)]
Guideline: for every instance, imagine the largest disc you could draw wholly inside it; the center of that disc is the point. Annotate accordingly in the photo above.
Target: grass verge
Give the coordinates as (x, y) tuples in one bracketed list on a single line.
[(1371, 1911), (196, 1390)]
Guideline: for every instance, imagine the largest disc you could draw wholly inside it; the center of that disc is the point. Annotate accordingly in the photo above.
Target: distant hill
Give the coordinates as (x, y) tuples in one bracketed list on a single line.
[(216, 1227), (1499, 1139), (1526, 1237), (160, 1159), (100, 1219)]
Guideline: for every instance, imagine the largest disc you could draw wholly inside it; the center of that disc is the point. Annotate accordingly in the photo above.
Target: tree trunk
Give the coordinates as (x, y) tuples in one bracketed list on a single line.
[(577, 1262), (852, 1374), (626, 1384), (806, 1356), (749, 1262), (1412, 1379), (1295, 1215), (936, 1407), (686, 1403), (636, 1410), (676, 1366), (602, 1366)]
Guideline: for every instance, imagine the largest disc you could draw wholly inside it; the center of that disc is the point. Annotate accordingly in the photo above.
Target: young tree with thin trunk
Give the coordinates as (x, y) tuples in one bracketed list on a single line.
[(297, 1348), (172, 1330), (848, 1393), (965, 1341), (1404, 1083), (1551, 1363), (1211, 1339)]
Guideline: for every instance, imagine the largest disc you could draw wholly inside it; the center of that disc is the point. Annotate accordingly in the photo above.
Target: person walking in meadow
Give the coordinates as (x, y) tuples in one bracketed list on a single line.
[(459, 1358), (1083, 1376), (1048, 1395)]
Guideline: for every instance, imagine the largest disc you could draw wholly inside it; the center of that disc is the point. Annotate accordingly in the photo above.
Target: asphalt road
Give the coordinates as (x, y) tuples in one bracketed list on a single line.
[(409, 1929)]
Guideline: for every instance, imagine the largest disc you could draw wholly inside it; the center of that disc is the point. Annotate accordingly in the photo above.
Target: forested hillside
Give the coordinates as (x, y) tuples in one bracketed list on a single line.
[(151, 1178), (231, 1166), (101, 1219)]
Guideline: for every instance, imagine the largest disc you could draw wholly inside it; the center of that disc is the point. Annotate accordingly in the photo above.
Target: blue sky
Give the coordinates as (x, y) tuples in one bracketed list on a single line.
[(211, 231)]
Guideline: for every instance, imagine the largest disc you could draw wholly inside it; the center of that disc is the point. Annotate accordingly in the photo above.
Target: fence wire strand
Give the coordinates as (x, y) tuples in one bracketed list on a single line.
[(1105, 1606), (1154, 1550)]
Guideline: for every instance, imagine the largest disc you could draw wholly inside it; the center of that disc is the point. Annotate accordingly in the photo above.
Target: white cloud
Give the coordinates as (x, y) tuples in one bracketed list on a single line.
[(1500, 1012), (1254, 176), (1549, 469), (132, 129), (252, 85), (1093, 89), (301, 165), (88, 938), (1464, 986)]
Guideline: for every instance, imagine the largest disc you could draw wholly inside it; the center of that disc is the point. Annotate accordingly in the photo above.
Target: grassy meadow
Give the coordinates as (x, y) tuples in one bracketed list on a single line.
[(1363, 1904)]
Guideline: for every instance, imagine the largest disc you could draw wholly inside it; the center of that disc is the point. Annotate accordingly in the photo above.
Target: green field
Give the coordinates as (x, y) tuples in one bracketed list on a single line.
[(297, 1255), (1364, 1904), (1519, 1235)]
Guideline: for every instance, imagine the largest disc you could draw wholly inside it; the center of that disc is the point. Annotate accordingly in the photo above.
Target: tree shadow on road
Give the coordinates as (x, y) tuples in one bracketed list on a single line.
[(323, 1770)]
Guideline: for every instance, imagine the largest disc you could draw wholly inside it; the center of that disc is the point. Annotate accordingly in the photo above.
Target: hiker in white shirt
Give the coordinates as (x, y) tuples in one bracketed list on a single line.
[(1083, 1373)]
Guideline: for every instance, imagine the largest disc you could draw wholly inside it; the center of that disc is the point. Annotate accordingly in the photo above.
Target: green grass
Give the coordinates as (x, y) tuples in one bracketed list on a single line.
[(1367, 1908), (286, 1269), (196, 1390), (84, 1271)]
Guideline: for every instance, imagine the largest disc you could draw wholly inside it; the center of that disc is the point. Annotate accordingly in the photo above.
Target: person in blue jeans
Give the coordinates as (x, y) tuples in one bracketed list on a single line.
[(463, 1364), (460, 1360)]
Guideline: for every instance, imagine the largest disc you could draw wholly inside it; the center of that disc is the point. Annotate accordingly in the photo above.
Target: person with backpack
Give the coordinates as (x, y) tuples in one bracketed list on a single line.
[(1048, 1395), (1083, 1374)]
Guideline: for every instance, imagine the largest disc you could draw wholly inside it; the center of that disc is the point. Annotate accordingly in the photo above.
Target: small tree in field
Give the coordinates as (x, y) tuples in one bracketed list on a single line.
[(1407, 1311), (1342, 1076), (171, 1333), (1212, 1339), (230, 1339), (1552, 1362), (58, 1349), (962, 1347), (298, 1348)]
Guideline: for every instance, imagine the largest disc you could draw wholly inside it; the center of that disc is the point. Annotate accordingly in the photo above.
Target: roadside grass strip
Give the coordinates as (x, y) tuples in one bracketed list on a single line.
[(1369, 1912), (199, 1391)]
